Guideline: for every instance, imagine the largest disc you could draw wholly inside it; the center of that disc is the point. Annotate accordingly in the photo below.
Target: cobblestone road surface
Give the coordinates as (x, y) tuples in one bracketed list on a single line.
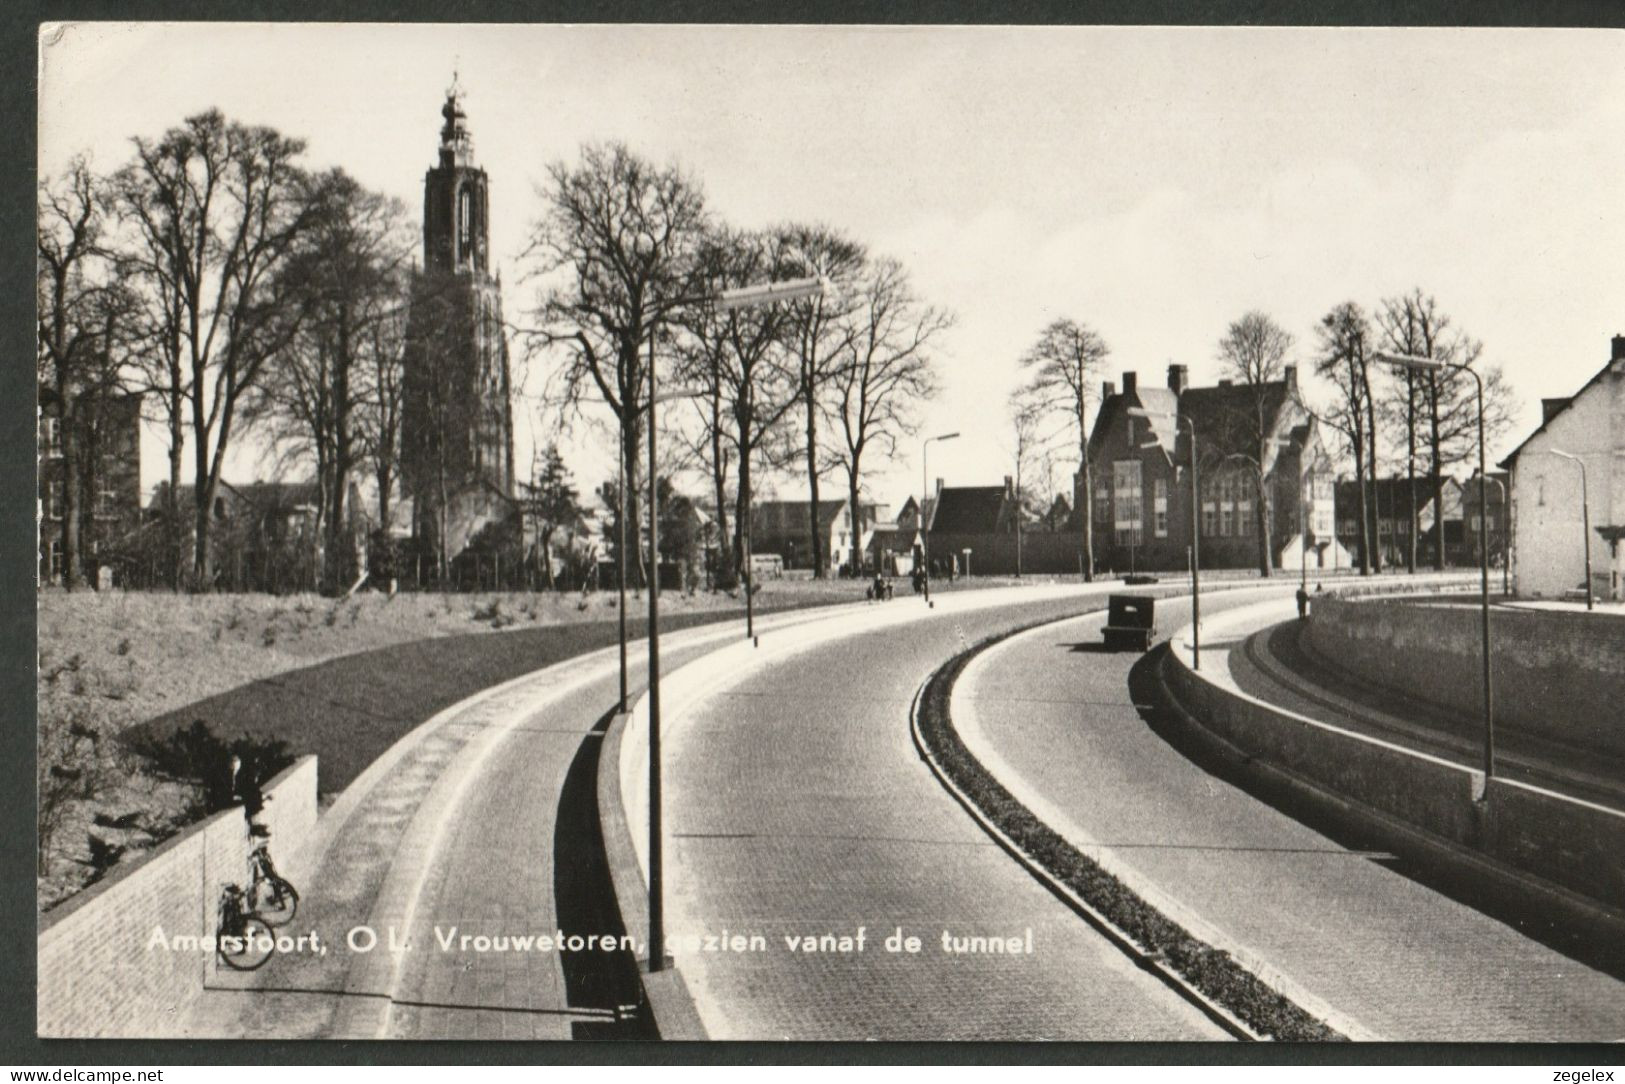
[(797, 806)]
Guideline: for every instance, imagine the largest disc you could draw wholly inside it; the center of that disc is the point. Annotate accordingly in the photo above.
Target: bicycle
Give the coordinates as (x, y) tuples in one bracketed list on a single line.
[(269, 895), (242, 938)]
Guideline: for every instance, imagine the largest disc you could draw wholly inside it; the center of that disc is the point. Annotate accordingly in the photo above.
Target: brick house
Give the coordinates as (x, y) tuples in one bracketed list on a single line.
[(981, 519), (1140, 467), (109, 476), (1391, 498)]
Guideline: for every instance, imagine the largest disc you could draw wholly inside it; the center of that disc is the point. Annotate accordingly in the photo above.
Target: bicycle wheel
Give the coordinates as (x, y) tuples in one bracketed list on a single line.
[(274, 900), (248, 946)]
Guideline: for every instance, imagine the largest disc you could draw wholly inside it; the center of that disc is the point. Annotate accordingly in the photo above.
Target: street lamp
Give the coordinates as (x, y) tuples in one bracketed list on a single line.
[(1506, 552), (726, 300), (1434, 365), (1585, 517), (1196, 533), (620, 560), (925, 474)]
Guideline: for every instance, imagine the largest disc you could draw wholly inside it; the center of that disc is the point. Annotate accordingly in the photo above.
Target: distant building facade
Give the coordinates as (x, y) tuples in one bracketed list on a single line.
[(784, 528), (1392, 499), (108, 439), (457, 414), (1140, 469), (1548, 555)]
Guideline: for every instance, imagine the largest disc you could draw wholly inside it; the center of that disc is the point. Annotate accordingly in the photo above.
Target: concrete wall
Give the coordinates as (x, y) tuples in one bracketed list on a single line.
[(97, 975), (1576, 846), (1558, 675)]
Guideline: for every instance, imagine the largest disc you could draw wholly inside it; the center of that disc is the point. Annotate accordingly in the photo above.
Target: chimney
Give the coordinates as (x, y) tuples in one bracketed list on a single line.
[(1130, 382), (1619, 348), (1550, 407), (1225, 383), (1290, 375), (1009, 484), (1107, 390), (1179, 378)]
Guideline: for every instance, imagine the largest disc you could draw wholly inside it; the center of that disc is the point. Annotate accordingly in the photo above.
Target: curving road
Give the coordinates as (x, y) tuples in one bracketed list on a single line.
[(1383, 955), (797, 807)]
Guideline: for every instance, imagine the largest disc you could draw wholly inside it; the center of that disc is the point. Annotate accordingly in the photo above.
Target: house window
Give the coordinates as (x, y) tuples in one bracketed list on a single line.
[(53, 502), (106, 502), (53, 560), (1244, 513), (1227, 506), (1103, 501), (1127, 498), (50, 437), (1159, 507)]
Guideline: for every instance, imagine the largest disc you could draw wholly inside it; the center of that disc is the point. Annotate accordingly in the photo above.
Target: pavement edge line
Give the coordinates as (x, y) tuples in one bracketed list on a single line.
[(675, 1015), (1118, 938), (1148, 961)]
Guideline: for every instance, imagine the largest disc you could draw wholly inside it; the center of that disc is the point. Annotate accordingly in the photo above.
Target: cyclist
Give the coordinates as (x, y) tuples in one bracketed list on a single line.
[(245, 788)]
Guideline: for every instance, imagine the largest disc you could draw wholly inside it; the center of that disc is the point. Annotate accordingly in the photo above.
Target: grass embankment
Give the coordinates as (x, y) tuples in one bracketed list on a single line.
[(342, 679), (1212, 971)]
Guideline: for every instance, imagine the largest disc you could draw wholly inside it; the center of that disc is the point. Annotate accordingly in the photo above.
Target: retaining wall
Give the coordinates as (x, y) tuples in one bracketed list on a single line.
[(1574, 846), (101, 973), (1556, 674)]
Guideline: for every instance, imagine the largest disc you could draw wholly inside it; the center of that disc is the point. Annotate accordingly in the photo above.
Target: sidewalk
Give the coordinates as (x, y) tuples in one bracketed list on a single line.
[(1378, 955)]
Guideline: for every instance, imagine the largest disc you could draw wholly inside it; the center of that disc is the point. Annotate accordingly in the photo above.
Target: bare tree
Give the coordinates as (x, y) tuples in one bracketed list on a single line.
[(816, 334), (874, 396), (348, 277), (1065, 366), (1344, 360), (1445, 402), (83, 315), (214, 208), (378, 422), (1253, 351), (615, 244), (1026, 422), (742, 362)]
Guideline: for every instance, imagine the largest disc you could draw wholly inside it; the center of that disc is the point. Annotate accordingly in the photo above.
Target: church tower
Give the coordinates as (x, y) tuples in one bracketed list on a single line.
[(457, 414)]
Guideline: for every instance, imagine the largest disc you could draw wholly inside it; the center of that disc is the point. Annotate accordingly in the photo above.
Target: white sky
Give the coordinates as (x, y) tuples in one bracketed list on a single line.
[(1154, 183)]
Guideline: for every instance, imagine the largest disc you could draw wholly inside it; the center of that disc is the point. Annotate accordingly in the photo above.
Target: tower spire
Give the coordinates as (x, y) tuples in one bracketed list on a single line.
[(456, 144)]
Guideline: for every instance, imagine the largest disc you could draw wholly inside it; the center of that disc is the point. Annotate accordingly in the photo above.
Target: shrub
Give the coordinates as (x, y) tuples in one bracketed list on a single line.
[(75, 764), (201, 758)]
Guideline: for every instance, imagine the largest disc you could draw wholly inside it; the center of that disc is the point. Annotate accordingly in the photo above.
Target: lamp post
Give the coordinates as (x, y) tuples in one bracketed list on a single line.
[(1196, 532), (1434, 365), (925, 474), (620, 512), (1585, 517), (743, 297), (1484, 535)]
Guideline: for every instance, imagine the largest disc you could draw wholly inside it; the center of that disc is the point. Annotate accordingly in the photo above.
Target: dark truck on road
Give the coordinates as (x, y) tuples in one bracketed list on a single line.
[(1130, 622)]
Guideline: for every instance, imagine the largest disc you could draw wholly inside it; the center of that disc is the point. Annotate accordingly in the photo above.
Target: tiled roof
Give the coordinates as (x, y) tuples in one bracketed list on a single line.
[(969, 509), (1511, 457)]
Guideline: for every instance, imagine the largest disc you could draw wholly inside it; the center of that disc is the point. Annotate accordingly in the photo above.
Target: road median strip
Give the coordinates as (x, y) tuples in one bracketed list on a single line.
[(1209, 978)]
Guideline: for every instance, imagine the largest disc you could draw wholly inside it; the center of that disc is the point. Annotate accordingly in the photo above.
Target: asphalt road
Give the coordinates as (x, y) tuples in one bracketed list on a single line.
[(1052, 718), (797, 807)]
